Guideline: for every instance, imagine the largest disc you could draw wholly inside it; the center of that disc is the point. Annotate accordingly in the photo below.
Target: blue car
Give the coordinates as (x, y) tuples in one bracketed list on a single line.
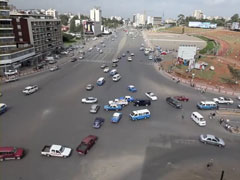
[(3, 108), (132, 88), (116, 117), (112, 107), (128, 98)]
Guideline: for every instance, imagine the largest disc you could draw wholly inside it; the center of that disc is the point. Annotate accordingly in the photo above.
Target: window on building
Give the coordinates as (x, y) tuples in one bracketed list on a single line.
[(18, 26), (20, 33)]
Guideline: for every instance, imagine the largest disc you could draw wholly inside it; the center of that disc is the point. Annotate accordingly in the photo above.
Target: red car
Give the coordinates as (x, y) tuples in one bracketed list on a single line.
[(7, 153), (86, 144), (163, 53), (181, 98)]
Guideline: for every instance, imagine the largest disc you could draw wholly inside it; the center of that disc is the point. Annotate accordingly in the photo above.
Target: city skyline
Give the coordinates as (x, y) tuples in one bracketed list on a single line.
[(126, 8)]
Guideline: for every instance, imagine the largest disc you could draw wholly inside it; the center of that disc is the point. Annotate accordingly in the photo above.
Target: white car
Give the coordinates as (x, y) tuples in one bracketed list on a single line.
[(10, 72), (89, 100), (129, 58), (30, 89), (106, 69), (116, 77), (151, 95), (54, 68), (115, 60), (81, 57), (223, 100), (132, 54)]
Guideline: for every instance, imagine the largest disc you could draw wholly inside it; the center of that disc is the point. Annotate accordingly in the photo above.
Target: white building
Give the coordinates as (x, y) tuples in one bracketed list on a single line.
[(140, 19), (119, 18), (150, 20), (96, 14), (198, 14), (77, 22), (52, 12)]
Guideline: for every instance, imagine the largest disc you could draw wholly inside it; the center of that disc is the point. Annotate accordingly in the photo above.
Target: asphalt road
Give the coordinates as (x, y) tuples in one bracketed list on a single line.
[(128, 150)]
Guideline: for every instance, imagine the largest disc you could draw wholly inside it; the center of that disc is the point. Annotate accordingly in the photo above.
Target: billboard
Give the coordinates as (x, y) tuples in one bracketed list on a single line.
[(186, 52), (89, 27), (204, 25), (194, 24)]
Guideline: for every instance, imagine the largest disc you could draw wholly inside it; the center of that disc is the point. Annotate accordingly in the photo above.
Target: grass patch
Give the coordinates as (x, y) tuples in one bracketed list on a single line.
[(205, 74), (211, 46)]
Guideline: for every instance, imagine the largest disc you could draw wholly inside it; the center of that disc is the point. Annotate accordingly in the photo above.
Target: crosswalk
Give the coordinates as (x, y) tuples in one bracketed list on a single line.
[(110, 61), (167, 142)]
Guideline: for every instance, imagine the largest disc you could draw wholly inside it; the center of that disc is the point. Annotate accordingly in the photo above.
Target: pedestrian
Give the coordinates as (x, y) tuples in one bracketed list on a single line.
[(221, 120), (182, 116)]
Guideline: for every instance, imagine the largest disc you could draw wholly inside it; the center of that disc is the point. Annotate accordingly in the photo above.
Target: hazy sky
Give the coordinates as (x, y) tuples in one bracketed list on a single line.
[(126, 8)]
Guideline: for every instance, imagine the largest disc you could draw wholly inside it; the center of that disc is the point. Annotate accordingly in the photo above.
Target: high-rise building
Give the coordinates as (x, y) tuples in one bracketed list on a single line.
[(41, 31), (150, 20), (11, 55), (134, 18), (52, 12), (96, 14), (157, 21), (140, 19), (198, 14)]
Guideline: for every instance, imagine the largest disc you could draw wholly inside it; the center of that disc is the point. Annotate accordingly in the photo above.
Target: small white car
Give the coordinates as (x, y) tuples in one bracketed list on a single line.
[(223, 100), (132, 54), (115, 60), (151, 95), (129, 58), (89, 100), (116, 77), (54, 68), (30, 89), (106, 69), (81, 57)]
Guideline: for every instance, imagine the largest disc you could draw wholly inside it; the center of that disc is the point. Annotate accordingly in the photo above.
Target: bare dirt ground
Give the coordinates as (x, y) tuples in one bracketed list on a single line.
[(228, 54)]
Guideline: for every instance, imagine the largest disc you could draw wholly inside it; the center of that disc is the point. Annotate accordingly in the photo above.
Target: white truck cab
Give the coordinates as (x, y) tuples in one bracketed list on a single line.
[(56, 150)]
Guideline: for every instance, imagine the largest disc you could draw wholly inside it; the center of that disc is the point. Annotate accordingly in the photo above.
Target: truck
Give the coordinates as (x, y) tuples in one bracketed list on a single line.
[(223, 100), (56, 151), (112, 107), (86, 144), (122, 102)]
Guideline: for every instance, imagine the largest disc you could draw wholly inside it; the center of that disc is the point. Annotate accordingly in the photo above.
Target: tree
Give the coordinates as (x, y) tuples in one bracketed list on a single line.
[(64, 19), (181, 19), (235, 18), (72, 24), (67, 37)]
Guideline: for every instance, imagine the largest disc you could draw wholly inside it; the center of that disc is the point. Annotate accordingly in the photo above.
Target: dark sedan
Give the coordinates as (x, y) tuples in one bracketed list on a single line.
[(98, 122)]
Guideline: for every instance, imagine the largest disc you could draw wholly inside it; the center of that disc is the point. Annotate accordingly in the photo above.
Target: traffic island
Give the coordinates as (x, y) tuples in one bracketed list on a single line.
[(230, 126)]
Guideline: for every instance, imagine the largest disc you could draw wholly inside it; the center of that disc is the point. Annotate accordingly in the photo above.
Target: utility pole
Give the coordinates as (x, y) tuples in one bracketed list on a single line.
[(222, 175)]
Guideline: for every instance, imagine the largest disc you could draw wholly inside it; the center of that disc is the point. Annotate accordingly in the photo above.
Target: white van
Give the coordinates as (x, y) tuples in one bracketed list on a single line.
[(140, 114), (198, 118)]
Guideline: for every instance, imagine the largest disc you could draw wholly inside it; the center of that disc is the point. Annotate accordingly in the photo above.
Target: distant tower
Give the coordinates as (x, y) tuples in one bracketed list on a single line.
[(144, 17), (163, 18)]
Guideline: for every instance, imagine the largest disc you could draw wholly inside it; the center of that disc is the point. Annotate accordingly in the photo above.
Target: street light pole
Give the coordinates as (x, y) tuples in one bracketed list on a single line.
[(222, 175)]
